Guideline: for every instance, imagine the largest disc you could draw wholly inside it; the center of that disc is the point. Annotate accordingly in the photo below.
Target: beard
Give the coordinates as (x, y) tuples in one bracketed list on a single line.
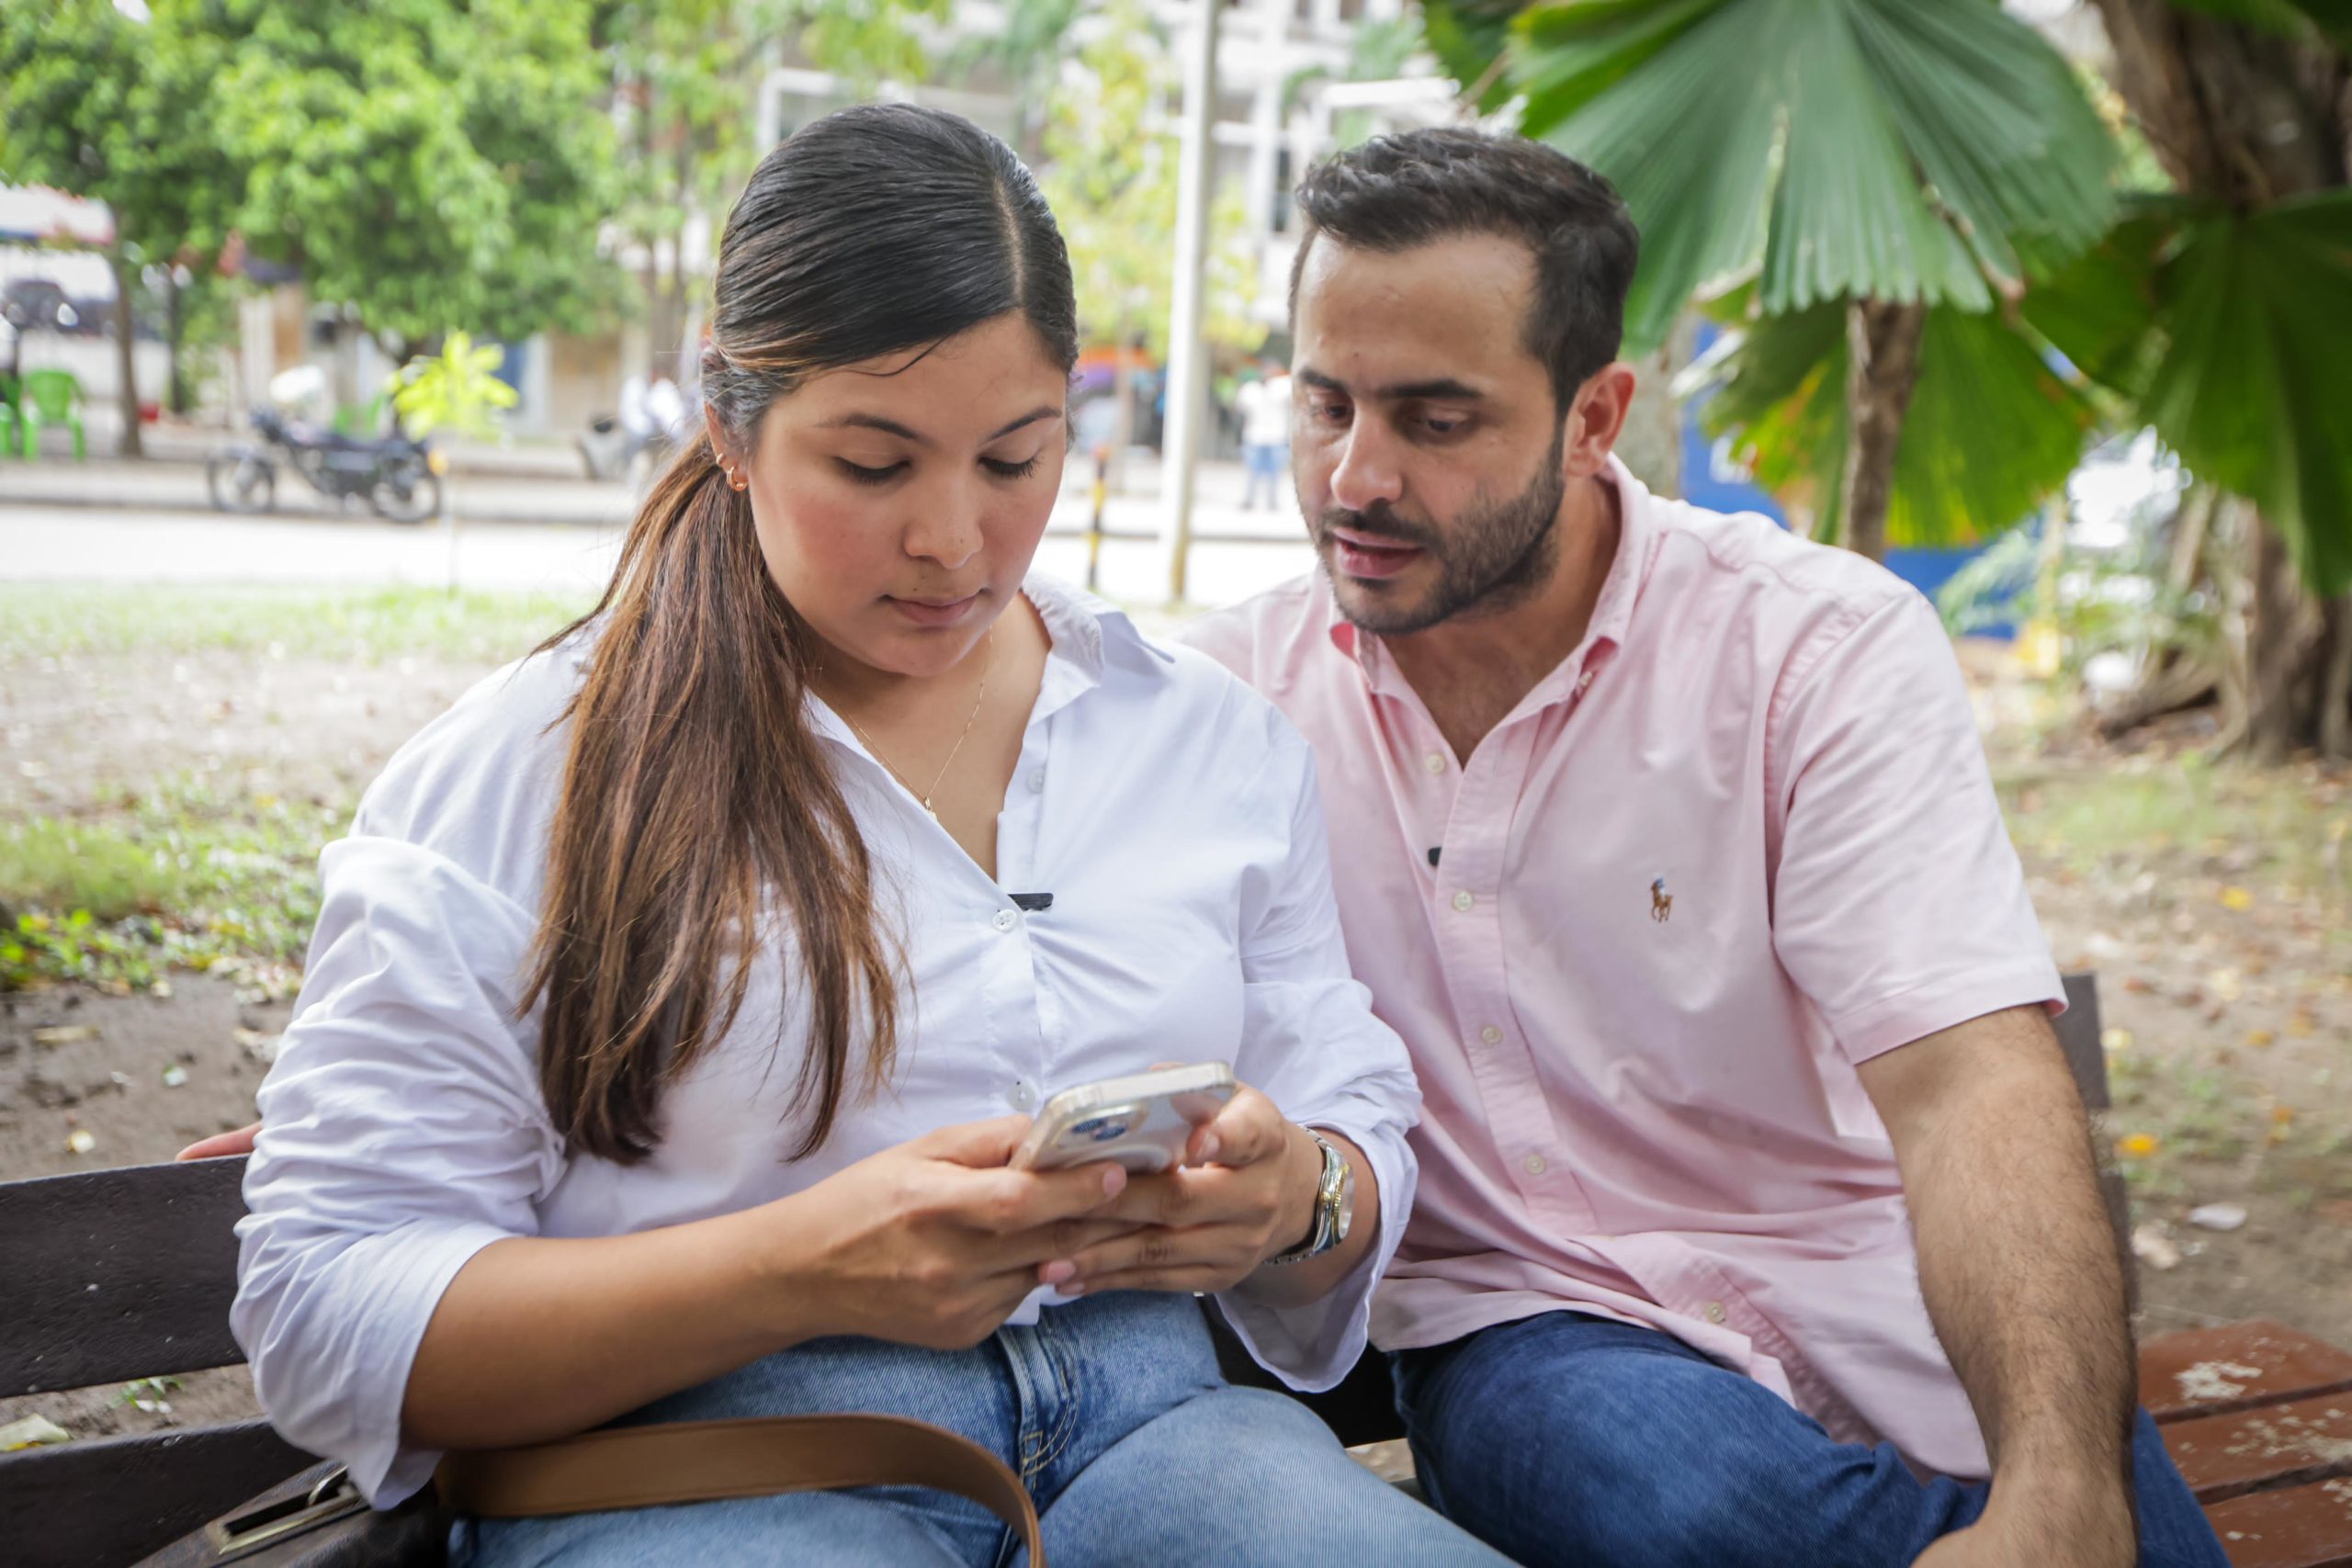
[(1493, 556)]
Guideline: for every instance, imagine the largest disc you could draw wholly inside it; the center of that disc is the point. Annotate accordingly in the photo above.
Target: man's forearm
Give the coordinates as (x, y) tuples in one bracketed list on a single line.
[(2017, 1262)]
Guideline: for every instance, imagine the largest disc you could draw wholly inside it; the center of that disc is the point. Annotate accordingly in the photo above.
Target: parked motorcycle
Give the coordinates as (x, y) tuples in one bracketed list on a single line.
[(396, 477)]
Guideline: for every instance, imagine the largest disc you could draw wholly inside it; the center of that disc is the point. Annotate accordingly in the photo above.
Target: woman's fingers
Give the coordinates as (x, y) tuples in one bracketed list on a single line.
[(1222, 1253), (221, 1144), (1247, 1129)]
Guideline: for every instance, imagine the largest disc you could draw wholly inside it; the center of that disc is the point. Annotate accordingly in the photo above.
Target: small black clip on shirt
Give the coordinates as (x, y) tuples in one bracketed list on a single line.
[(1032, 902)]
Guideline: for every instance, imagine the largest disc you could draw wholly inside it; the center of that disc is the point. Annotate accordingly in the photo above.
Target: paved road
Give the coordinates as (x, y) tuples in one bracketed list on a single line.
[(123, 544)]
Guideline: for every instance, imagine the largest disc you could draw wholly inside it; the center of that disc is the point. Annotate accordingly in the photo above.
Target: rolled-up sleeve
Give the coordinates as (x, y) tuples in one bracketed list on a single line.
[(1898, 903), (1311, 1044), (403, 1131)]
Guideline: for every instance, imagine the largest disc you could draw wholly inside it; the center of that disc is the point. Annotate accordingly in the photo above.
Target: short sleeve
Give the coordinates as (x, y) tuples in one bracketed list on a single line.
[(1898, 903), (403, 1131), (1311, 1044)]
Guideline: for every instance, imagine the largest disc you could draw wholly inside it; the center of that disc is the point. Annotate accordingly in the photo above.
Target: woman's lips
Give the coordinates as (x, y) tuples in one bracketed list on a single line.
[(929, 613), (1360, 555)]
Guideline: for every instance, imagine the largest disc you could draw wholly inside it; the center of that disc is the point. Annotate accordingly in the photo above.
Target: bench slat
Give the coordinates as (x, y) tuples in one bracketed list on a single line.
[(117, 1274), (2212, 1372), (2271, 1446), (112, 1501), (2302, 1527)]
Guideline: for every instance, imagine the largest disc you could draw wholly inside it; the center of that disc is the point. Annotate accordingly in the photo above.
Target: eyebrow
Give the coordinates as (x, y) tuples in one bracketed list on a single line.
[(892, 427), (1444, 388)]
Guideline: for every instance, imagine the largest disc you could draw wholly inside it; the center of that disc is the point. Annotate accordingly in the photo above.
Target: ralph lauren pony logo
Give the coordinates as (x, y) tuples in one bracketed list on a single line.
[(1661, 902)]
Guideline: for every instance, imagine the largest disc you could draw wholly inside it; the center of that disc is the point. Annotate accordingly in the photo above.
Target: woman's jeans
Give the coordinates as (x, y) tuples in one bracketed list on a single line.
[(1569, 1439), (1112, 1411)]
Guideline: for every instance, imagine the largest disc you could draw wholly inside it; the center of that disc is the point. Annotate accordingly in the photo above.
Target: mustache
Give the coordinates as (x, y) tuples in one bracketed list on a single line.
[(1375, 522)]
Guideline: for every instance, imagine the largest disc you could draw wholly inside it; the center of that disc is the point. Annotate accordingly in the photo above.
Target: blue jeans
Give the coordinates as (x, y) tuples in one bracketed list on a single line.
[(1569, 1439), (1263, 463), (1113, 1410)]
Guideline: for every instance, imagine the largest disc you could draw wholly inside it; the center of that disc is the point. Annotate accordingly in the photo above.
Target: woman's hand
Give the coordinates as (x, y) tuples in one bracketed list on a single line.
[(1245, 1192), (935, 1241)]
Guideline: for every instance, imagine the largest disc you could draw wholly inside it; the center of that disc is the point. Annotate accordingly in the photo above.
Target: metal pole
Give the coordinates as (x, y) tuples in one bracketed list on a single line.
[(1187, 363)]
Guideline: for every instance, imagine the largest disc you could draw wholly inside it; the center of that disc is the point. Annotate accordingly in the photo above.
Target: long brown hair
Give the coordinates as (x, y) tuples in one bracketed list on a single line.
[(697, 804)]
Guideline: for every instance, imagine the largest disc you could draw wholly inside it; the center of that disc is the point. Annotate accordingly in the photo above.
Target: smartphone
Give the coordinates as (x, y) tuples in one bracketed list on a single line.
[(1142, 1120)]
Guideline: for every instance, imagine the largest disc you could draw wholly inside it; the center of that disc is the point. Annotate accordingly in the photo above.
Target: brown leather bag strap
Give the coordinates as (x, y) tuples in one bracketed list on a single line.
[(699, 1461)]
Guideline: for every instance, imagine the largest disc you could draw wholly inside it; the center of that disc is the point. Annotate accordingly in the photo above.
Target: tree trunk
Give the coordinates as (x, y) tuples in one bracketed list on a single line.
[(125, 277), (175, 335), (1882, 366), (2336, 689), (2248, 118), (2283, 654)]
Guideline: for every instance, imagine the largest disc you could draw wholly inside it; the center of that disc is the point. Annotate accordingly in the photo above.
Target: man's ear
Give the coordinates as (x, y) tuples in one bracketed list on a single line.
[(1595, 421)]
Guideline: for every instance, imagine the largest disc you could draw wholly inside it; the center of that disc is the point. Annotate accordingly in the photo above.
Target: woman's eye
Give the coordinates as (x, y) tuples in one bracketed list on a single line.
[(866, 476), (1010, 470)]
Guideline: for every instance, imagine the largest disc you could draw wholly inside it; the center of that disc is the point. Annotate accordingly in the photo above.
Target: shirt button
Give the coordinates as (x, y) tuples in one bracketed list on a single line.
[(1584, 679), (1715, 1314), (1533, 1164), (1463, 901), (1036, 781), (1434, 761), (1491, 1035), (1006, 920), (1023, 1097)]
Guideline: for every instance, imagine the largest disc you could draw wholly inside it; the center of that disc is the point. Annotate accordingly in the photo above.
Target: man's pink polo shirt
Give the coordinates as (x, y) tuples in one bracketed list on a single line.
[(1741, 839)]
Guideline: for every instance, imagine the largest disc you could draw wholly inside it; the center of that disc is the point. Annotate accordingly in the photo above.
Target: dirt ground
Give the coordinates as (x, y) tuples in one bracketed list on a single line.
[(2225, 979)]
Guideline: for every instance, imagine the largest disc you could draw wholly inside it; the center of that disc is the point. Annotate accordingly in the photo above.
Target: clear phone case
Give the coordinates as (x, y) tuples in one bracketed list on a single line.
[(1142, 1120)]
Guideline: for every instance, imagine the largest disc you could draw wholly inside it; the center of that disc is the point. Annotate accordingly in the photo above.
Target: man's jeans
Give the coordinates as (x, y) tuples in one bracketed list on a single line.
[(1569, 1439), (1112, 1409)]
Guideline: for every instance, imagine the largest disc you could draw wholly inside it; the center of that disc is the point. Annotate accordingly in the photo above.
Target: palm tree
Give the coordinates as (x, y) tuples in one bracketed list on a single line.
[(1905, 204)]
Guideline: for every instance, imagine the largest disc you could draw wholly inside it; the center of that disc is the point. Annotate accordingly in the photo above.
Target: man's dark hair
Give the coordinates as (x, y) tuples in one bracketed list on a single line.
[(1394, 193)]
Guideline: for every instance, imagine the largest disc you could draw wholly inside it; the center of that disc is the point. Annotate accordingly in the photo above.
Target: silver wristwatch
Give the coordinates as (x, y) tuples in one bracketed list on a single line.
[(1335, 1206)]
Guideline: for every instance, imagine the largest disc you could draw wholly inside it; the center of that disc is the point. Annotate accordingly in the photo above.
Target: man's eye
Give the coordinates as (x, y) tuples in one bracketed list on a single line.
[(1334, 413), (866, 476)]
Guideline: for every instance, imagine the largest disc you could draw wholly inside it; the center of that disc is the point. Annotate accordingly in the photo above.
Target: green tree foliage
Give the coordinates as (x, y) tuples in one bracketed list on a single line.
[(423, 161), (94, 102)]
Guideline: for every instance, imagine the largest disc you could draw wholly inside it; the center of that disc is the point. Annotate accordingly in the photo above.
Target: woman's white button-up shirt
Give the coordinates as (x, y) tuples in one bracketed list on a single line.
[(1171, 812)]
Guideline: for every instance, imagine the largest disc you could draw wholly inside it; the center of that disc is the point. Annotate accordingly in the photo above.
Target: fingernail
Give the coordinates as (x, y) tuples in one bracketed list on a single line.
[(1208, 1148), (1058, 1271), (1075, 1288), (1114, 1180)]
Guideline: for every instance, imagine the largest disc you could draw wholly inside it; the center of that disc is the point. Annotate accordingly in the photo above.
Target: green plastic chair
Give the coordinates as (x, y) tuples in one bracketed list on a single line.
[(53, 397), (12, 423)]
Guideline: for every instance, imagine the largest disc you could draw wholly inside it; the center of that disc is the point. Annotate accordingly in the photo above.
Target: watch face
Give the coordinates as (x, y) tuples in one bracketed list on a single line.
[(1347, 1203)]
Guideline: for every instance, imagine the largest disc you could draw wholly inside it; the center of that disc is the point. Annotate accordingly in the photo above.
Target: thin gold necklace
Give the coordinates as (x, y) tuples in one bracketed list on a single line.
[(979, 698)]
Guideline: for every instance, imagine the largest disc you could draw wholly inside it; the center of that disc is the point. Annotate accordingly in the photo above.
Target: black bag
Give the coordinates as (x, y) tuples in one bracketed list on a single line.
[(316, 1520)]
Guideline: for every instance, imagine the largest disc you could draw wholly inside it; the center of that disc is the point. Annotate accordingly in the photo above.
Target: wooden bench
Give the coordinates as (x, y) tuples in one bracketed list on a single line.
[(123, 1274)]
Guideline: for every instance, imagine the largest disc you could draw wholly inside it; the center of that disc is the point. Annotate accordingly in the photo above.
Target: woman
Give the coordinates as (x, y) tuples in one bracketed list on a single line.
[(678, 997)]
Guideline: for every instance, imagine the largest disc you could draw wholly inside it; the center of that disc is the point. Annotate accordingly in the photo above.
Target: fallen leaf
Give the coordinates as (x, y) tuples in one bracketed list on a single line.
[(2154, 1248), (2258, 1038), (2137, 983), (2218, 1216), (160, 990), (2282, 1114), (2115, 1038), (2226, 984), (173, 1076), (2237, 899), (64, 1034), (80, 1140), (2301, 1025), (31, 1431), (2137, 1146)]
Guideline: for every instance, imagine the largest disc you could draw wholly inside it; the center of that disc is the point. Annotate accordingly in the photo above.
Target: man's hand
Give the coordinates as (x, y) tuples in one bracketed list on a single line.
[(2021, 1273), (2085, 1528)]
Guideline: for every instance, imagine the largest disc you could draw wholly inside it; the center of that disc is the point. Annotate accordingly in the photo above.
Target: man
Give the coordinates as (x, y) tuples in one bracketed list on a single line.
[(1265, 405), (1665, 839)]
